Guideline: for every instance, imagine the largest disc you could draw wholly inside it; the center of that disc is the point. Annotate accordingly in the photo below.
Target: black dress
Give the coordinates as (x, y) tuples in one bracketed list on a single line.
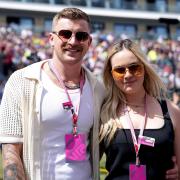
[(120, 153)]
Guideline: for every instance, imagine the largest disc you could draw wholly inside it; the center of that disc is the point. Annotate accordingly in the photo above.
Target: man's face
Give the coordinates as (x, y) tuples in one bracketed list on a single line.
[(70, 40)]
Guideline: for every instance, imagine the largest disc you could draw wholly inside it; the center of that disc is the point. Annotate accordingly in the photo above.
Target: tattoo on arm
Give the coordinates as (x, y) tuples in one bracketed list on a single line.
[(12, 164), (10, 172)]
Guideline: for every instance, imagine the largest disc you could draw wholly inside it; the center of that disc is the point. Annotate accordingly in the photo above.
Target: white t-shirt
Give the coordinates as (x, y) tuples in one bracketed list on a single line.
[(55, 123)]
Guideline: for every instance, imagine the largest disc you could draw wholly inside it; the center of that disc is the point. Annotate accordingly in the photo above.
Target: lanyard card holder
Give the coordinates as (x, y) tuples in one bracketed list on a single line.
[(137, 172), (75, 148)]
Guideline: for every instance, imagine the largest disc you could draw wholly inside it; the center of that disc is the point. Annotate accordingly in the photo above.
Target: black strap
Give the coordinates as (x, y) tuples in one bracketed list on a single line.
[(164, 108)]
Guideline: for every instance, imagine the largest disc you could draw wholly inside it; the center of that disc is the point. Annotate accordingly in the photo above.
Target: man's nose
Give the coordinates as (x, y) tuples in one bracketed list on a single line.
[(73, 39)]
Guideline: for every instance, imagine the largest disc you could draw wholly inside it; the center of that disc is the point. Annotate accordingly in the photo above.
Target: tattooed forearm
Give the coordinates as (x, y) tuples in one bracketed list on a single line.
[(10, 172), (12, 164)]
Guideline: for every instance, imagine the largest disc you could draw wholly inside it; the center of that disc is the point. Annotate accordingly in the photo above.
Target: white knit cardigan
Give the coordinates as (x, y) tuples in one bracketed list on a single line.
[(20, 117)]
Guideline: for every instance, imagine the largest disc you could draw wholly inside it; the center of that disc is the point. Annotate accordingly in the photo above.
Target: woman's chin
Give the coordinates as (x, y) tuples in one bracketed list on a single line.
[(130, 91)]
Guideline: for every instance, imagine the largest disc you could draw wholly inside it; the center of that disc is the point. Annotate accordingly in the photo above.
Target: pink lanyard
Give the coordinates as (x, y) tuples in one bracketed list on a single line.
[(61, 83), (135, 142)]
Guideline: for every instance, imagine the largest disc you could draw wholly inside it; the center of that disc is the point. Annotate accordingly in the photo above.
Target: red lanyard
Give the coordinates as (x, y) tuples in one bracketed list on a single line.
[(135, 142), (61, 83)]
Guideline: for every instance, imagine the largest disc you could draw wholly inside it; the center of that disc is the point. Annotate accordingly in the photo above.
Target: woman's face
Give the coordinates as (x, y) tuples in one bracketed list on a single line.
[(127, 72)]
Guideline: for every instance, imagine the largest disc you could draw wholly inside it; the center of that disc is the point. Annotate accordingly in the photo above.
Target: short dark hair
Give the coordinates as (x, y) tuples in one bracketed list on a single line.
[(71, 13)]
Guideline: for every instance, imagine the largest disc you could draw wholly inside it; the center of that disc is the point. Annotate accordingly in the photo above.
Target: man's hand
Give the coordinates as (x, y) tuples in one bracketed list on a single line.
[(173, 173)]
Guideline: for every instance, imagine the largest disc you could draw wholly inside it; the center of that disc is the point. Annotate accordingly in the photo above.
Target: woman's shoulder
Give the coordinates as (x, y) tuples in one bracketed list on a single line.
[(174, 112)]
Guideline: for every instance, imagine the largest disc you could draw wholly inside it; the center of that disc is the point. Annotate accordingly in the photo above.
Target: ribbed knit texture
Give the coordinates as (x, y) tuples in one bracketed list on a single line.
[(20, 117)]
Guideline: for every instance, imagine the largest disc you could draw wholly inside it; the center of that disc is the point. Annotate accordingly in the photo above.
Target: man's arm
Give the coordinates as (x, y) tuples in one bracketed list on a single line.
[(12, 162), (173, 173)]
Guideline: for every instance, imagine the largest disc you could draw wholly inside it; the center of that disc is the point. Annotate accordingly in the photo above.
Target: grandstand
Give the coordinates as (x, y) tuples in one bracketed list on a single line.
[(135, 18)]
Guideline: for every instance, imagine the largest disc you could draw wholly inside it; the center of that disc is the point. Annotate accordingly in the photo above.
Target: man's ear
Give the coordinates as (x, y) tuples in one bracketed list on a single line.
[(51, 39)]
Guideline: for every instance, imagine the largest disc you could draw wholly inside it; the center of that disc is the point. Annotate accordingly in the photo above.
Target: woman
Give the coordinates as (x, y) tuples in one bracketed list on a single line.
[(139, 126)]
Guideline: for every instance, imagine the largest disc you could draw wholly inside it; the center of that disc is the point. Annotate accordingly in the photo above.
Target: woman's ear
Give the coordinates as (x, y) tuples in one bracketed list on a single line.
[(90, 40)]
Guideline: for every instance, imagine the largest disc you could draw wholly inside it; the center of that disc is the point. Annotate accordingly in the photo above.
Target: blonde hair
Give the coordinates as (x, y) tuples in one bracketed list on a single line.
[(116, 98), (70, 13)]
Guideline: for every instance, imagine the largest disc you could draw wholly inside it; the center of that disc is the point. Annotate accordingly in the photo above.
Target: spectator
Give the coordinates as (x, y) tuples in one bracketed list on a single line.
[(140, 126)]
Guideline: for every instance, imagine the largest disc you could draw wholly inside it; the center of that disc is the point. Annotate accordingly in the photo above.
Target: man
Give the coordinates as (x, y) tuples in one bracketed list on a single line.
[(50, 110)]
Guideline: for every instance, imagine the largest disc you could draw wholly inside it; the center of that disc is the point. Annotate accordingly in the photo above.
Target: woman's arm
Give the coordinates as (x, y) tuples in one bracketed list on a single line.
[(12, 162), (174, 111)]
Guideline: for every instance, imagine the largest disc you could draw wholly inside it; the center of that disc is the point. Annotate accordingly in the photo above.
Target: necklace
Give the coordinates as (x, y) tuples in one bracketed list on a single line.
[(68, 84), (134, 106), (71, 85)]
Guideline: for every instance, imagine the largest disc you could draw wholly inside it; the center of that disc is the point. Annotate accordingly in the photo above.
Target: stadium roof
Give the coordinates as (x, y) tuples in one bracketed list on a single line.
[(121, 13)]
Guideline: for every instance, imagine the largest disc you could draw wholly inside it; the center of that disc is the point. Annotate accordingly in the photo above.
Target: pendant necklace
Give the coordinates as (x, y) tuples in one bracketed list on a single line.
[(71, 85), (68, 84)]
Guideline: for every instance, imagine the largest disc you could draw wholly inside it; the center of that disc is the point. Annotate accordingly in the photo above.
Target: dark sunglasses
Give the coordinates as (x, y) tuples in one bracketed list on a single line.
[(65, 35), (136, 69)]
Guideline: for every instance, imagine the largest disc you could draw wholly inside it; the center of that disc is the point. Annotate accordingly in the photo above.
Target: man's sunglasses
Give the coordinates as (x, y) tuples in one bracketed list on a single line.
[(65, 35), (136, 69)]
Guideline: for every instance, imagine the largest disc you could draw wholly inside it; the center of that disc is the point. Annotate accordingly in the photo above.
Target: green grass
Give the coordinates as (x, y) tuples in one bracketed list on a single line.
[(1, 176), (103, 171)]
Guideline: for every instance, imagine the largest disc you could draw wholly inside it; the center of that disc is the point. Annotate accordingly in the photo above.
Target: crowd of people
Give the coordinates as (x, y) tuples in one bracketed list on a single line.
[(21, 49)]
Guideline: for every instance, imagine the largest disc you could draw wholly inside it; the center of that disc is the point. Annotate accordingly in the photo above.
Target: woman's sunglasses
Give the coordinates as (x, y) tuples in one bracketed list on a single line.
[(136, 69), (65, 35)]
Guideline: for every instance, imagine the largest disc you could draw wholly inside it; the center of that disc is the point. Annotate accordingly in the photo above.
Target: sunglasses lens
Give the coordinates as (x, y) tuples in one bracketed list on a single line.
[(120, 70), (135, 69), (82, 36), (118, 73), (65, 34)]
